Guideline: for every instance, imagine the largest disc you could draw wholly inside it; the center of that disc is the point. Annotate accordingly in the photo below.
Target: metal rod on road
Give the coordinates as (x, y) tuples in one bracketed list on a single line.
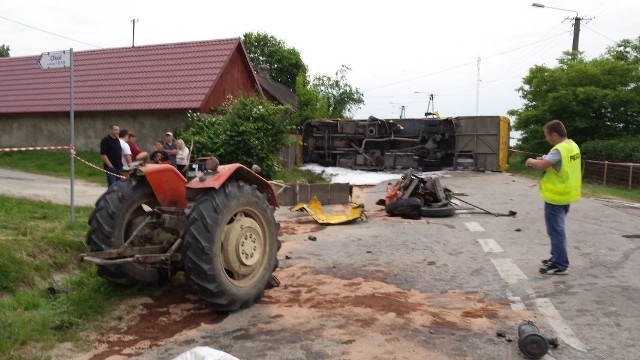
[(511, 213)]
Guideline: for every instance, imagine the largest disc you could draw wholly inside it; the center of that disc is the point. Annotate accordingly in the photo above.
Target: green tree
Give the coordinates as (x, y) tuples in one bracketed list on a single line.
[(325, 97), (596, 99), (320, 97), (626, 51), (340, 97), (285, 63), (4, 50), (247, 131)]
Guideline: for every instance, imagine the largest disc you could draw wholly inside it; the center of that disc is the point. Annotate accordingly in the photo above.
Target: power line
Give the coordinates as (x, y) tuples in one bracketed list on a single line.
[(460, 65), (604, 36), (49, 32)]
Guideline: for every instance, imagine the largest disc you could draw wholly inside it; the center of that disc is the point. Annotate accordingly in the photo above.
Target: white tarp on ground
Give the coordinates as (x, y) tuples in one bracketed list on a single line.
[(205, 353), (353, 177), (358, 177)]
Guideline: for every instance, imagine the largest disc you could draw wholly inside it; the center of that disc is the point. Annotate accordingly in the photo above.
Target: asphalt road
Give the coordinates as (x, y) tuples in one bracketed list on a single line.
[(48, 188), (432, 288)]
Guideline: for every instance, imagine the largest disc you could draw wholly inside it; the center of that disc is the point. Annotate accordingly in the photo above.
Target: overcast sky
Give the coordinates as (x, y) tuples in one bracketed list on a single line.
[(394, 48)]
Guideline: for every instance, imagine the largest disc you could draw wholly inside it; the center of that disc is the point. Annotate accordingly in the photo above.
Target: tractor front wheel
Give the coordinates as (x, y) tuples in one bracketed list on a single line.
[(230, 246)]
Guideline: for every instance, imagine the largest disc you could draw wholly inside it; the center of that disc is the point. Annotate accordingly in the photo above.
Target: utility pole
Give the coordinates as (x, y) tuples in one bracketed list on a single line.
[(430, 104), (478, 89), (133, 40), (576, 34), (576, 27)]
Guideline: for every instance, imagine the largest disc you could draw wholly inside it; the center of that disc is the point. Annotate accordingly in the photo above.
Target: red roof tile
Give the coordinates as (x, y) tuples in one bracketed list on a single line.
[(156, 77)]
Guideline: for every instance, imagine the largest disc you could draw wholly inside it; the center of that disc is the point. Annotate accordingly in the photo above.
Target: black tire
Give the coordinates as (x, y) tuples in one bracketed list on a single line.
[(230, 246), (115, 217), (444, 211), (403, 207)]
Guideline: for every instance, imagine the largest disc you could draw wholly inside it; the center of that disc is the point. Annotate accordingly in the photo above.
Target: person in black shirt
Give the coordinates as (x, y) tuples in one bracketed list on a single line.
[(111, 154), (159, 156)]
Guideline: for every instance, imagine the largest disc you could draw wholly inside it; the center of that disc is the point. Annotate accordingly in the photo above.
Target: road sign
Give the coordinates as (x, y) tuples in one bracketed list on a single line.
[(55, 60)]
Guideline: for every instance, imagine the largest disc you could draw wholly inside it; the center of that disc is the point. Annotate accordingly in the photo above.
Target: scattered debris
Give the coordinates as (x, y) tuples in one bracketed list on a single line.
[(312, 238), (414, 196), (518, 229)]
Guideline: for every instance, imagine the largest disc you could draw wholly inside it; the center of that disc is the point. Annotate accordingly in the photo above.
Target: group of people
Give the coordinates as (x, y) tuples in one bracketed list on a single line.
[(119, 151)]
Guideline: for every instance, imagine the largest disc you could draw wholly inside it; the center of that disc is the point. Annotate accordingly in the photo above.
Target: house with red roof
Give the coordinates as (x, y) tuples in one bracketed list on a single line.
[(148, 89)]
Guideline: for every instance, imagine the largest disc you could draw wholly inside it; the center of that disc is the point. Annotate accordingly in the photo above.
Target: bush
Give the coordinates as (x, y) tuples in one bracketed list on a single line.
[(247, 131), (618, 150)]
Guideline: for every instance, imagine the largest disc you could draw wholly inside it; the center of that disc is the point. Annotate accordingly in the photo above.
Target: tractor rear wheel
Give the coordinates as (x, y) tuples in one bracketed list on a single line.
[(230, 246), (117, 214)]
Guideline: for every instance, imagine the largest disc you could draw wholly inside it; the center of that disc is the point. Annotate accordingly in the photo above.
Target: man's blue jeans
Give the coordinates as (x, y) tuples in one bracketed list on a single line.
[(111, 179), (554, 216)]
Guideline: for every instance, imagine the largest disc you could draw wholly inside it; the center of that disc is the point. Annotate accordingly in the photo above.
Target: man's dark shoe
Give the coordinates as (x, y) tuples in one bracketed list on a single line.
[(552, 269), (546, 262)]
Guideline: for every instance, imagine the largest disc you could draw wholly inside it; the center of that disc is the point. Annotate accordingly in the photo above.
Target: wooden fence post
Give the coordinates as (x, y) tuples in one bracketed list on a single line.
[(630, 175), (604, 180)]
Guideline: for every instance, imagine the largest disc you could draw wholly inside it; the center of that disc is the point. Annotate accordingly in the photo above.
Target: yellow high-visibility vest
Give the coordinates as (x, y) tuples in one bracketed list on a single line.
[(563, 187)]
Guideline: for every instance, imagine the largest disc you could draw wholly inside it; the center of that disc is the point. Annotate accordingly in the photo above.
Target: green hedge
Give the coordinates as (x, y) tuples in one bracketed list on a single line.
[(619, 150)]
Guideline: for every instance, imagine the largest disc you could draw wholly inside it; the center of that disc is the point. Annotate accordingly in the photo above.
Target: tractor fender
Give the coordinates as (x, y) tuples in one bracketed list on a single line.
[(216, 179), (167, 184)]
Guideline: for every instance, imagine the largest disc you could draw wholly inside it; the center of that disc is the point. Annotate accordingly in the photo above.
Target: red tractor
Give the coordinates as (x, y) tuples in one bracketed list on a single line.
[(219, 228)]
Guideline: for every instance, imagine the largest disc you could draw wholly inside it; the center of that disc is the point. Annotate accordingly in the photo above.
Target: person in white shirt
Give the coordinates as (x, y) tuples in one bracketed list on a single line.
[(126, 151), (182, 157)]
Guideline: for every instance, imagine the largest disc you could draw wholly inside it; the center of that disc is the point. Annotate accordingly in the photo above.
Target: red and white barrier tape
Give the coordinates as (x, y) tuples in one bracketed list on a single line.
[(72, 150), (35, 148), (95, 167)]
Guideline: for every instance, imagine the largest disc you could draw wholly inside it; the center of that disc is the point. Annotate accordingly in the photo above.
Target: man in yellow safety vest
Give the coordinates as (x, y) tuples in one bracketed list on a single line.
[(560, 186)]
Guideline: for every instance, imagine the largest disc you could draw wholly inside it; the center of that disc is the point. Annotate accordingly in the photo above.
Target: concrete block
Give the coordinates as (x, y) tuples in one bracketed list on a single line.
[(321, 191), (288, 196), (303, 193), (340, 193)]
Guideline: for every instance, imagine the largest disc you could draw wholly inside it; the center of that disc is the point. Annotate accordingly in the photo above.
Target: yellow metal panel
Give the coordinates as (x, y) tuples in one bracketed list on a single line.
[(503, 156), (314, 208)]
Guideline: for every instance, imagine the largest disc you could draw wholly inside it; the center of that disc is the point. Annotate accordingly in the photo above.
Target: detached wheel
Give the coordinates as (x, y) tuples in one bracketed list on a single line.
[(444, 211), (116, 215), (230, 246), (403, 207)]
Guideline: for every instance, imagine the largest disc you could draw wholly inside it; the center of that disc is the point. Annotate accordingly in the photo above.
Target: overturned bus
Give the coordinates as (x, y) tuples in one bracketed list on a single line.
[(466, 142)]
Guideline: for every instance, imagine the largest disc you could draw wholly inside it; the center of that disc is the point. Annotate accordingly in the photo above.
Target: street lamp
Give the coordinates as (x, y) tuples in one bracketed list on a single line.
[(576, 26)]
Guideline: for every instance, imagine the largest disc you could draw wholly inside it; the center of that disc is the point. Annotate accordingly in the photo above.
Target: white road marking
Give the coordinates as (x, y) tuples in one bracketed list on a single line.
[(473, 226), (490, 246), (558, 324), (516, 303), (530, 292), (509, 271), (463, 215)]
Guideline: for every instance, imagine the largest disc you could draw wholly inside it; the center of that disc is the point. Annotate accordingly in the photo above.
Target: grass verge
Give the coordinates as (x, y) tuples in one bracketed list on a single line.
[(46, 295)]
